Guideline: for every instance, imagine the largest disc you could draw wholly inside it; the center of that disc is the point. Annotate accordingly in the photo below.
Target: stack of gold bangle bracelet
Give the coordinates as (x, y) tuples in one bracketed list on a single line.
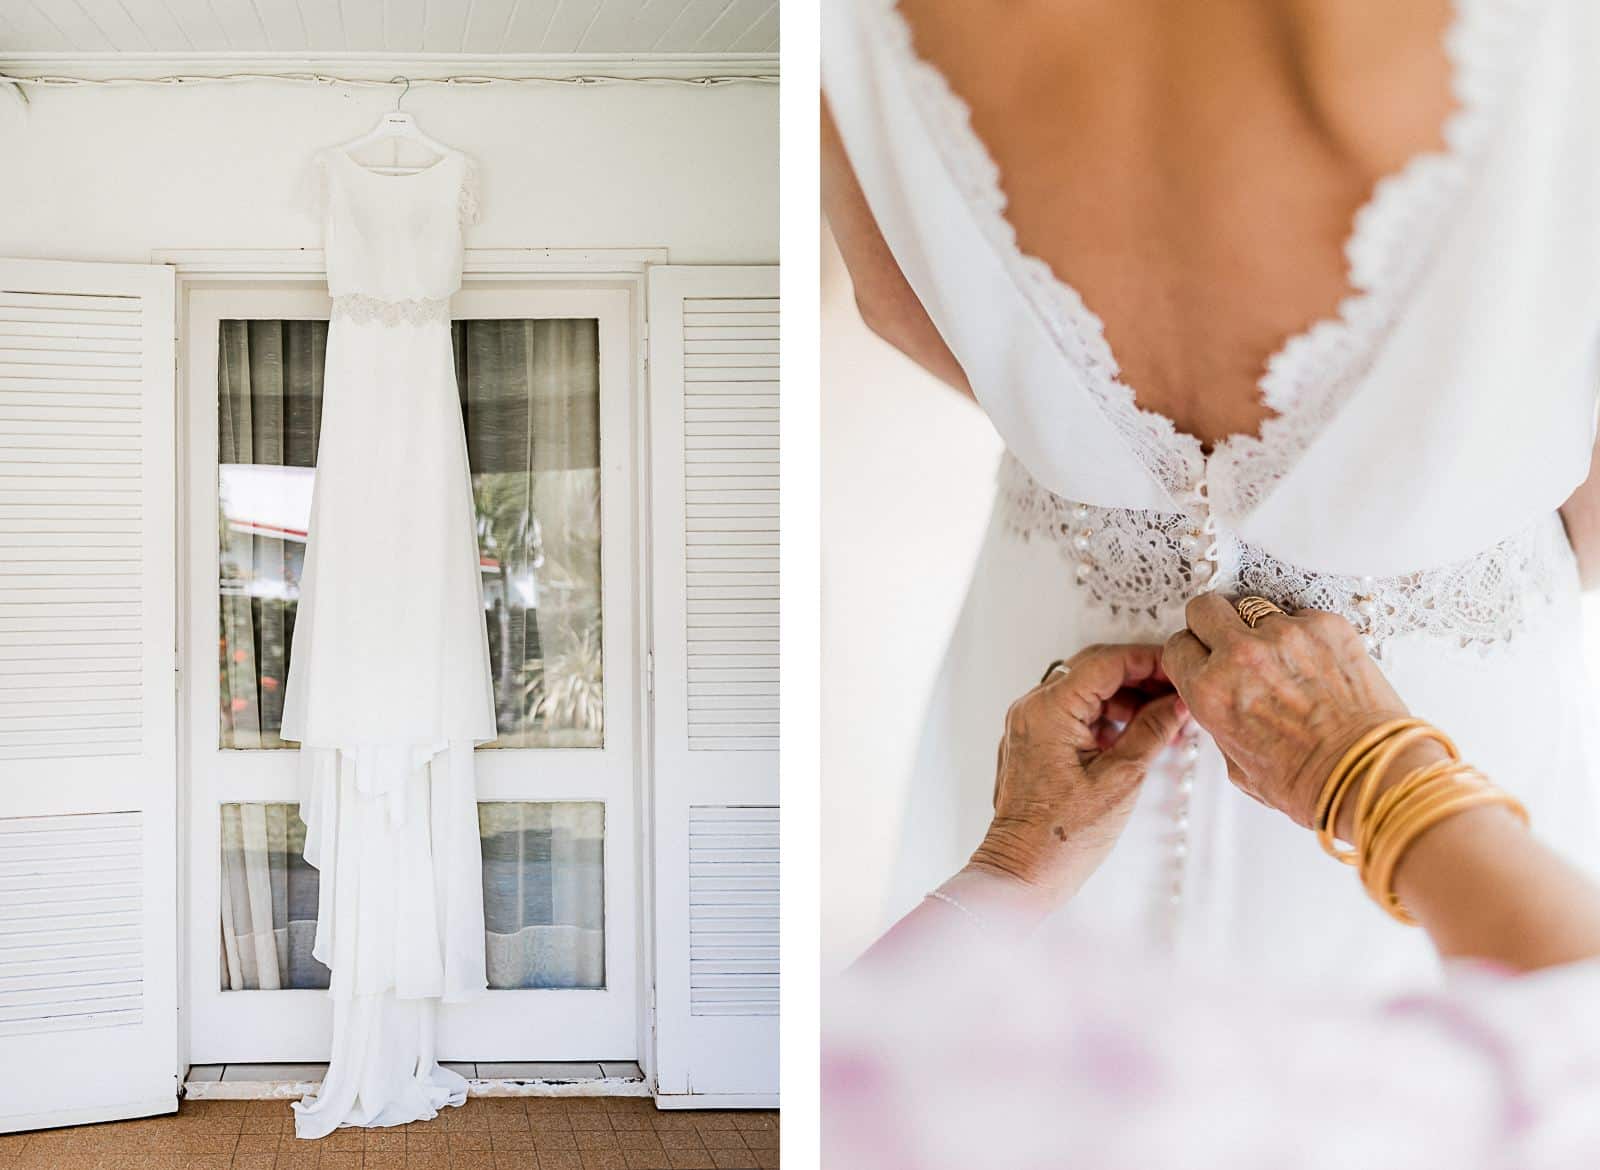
[(1387, 824)]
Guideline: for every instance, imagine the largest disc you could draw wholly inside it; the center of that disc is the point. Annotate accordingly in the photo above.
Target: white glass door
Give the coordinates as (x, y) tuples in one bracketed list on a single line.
[(546, 376)]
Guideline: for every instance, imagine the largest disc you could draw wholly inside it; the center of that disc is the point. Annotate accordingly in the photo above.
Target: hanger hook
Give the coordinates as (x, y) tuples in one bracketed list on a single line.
[(403, 92)]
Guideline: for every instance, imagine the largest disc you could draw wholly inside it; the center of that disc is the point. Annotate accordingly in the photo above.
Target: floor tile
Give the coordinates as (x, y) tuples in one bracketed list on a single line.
[(204, 1072), (627, 1070), (490, 1133)]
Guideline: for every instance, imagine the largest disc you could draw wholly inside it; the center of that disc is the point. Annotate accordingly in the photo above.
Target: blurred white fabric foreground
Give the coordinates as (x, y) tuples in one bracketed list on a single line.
[(1071, 1055)]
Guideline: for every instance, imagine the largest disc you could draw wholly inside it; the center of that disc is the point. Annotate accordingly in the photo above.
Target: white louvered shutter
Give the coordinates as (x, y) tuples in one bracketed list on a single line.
[(88, 781), (714, 505)]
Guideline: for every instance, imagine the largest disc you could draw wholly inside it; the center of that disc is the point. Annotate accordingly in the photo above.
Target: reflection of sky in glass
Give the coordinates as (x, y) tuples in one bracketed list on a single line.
[(262, 500), (259, 500), (267, 501)]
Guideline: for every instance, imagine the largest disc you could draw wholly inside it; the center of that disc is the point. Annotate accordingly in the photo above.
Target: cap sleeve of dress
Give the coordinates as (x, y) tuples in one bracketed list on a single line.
[(468, 203)]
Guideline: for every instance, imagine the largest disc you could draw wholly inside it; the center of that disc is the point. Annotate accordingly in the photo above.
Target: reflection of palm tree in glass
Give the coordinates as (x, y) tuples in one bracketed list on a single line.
[(567, 692), (508, 539), (540, 538)]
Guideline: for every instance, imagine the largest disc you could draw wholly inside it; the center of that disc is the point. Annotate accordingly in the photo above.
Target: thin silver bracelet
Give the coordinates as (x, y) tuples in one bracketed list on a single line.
[(941, 896)]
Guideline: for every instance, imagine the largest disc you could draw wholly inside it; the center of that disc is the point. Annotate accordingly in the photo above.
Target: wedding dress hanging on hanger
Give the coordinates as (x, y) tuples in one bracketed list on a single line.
[(389, 682)]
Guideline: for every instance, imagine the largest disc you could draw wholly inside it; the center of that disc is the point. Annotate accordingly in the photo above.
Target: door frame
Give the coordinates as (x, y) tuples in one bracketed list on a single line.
[(621, 270)]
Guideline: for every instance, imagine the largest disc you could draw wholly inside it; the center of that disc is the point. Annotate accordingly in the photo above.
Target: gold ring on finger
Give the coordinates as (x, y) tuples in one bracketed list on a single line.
[(1252, 609)]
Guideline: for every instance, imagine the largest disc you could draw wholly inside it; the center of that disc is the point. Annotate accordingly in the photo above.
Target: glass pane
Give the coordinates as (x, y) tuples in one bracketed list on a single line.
[(544, 894), (531, 403), (269, 408), (543, 897), (269, 900)]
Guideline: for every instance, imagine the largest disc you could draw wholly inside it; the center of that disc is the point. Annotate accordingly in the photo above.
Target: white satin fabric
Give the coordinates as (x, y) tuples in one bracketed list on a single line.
[(389, 685), (1448, 407)]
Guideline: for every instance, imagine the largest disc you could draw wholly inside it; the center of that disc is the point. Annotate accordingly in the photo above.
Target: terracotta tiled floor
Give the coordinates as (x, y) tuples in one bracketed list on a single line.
[(487, 1133)]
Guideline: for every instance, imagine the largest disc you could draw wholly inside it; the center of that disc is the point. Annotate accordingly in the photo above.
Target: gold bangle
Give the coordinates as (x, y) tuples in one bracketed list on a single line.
[(1386, 841), (1481, 794), (1383, 760), (1370, 828), (1349, 767)]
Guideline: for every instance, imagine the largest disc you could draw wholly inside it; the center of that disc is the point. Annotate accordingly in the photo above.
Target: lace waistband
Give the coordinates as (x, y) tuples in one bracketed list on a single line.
[(1145, 566), (365, 309)]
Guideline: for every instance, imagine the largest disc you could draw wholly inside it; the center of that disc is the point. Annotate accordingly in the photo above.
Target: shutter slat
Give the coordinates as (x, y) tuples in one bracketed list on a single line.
[(731, 512), (14, 301), (733, 940), (72, 507)]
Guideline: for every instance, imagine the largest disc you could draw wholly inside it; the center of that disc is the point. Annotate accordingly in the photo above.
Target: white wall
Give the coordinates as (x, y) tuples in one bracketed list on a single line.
[(907, 483), (114, 174)]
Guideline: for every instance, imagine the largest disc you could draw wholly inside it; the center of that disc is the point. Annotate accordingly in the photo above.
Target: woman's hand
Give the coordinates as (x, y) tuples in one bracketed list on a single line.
[(1074, 753), (1284, 701)]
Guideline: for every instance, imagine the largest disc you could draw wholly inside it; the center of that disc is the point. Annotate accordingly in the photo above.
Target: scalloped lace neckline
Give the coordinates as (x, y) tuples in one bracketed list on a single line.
[(1392, 237)]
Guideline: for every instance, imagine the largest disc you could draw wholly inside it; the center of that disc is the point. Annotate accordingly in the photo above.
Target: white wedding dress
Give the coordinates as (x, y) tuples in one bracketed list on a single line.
[(1422, 442), (389, 684)]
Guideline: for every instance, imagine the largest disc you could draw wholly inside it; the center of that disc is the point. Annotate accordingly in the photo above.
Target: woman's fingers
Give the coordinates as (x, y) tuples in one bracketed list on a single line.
[(1182, 657), (1147, 733), (1214, 620), (1094, 678)]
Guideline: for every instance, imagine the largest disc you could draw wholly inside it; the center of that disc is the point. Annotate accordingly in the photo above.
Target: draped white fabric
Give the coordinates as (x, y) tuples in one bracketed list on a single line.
[(392, 683), (388, 687)]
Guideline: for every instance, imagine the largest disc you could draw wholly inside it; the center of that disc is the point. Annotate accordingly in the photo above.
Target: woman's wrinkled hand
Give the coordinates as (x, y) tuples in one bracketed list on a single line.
[(1284, 701), (1074, 753)]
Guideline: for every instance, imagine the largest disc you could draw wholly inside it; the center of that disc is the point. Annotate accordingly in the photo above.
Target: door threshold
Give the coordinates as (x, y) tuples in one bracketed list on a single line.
[(269, 1082)]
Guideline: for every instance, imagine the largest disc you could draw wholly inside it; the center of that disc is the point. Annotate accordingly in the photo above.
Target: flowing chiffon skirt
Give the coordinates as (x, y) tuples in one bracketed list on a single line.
[(388, 691)]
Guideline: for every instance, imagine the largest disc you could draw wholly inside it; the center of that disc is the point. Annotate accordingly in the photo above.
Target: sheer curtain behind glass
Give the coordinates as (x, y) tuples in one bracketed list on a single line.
[(530, 398), (269, 408), (544, 893), (269, 900)]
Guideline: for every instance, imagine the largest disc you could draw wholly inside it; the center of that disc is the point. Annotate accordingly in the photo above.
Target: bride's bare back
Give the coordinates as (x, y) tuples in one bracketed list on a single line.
[(1192, 169)]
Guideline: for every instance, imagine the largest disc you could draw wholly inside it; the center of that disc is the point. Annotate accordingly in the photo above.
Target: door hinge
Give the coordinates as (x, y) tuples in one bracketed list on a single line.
[(649, 672)]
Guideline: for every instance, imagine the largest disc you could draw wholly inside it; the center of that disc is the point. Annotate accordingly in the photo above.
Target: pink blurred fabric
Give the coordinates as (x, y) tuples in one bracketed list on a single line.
[(968, 1055)]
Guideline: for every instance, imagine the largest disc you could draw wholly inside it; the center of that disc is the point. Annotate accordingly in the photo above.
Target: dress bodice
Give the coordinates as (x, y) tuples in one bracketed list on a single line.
[(1446, 408), (394, 240)]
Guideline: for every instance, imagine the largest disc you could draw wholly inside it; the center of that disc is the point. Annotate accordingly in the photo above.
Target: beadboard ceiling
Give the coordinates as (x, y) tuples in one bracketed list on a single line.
[(406, 27)]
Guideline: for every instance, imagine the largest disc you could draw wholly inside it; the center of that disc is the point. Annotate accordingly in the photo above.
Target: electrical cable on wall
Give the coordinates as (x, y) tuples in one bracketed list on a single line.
[(21, 83)]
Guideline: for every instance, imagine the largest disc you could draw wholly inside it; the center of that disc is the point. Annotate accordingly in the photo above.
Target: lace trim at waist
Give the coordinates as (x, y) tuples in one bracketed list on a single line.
[(365, 309), (1145, 566)]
